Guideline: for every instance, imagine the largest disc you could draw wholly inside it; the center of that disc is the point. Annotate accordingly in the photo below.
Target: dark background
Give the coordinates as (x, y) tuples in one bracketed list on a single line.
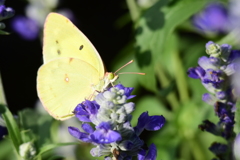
[(20, 59)]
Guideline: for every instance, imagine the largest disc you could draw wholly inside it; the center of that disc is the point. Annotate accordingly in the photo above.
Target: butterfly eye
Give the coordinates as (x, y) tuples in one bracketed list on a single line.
[(110, 76)]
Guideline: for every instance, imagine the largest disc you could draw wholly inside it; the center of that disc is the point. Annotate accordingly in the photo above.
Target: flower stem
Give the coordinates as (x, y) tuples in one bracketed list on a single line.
[(171, 97), (181, 79), (2, 95), (133, 9)]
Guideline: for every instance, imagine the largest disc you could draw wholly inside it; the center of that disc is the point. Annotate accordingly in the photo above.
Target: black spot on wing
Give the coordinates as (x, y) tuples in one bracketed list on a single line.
[(59, 52), (81, 47), (57, 41)]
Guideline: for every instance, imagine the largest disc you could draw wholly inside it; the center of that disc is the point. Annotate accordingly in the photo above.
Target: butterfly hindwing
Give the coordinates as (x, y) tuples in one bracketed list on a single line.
[(62, 85)]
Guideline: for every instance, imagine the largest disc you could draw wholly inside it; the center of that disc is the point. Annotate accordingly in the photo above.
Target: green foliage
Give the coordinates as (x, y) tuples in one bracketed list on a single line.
[(237, 118)]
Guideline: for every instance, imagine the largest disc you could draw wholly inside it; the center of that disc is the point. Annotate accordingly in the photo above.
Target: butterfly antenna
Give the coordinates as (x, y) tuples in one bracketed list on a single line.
[(127, 72), (123, 66), (132, 73)]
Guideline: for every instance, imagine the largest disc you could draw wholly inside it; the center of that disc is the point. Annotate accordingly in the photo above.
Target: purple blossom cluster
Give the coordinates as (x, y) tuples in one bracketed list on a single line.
[(217, 73), (113, 135)]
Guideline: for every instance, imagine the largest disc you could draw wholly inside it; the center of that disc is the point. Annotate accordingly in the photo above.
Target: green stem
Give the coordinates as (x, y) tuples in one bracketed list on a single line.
[(181, 79), (196, 150), (133, 9), (2, 95), (231, 38), (164, 81)]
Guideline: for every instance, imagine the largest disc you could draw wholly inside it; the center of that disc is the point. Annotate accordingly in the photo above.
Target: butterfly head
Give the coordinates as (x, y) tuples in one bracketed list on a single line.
[(111, 76)]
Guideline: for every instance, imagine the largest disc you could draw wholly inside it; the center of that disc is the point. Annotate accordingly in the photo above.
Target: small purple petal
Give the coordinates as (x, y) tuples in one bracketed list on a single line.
[(225, 51), (215, 61), (3, 132), (127, 90), (85, 110), (196, 73), (210, 127), (205, 63), (79, 135), (104, 134), (81, 113), (152, 153), (92, 106), (150, 123), (141, 154), (209, 98), (155, 123), (87, 128), (142, 120), (218, 148), (221, 95), (234, 55), (2, 10)]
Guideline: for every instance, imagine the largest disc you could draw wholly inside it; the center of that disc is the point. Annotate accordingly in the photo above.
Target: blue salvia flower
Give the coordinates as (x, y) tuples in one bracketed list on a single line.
[(5, 13), (26, 27), (214, 19), (216, 73), (113, 135)]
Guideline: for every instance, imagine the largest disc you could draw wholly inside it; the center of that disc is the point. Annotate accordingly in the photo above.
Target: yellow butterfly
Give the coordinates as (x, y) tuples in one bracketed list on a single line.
[(72, 68)]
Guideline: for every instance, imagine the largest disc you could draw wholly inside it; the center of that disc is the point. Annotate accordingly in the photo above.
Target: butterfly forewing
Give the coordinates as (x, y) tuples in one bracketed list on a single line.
[(63, 39)]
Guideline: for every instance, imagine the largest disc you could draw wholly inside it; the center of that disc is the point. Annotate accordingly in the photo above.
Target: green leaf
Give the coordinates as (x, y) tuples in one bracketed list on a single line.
[(50, 147), (152, 30), (12, 126), (237, 118), (4, 32), (38, 124), (6, 149)]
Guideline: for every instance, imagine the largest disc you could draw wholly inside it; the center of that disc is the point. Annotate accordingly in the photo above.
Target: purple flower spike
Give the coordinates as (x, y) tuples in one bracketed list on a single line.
[(114, 137), (104, 134), (27, 28)]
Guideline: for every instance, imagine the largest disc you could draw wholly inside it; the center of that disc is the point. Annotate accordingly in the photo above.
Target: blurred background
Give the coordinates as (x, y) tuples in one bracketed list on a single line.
[(164, 37)]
